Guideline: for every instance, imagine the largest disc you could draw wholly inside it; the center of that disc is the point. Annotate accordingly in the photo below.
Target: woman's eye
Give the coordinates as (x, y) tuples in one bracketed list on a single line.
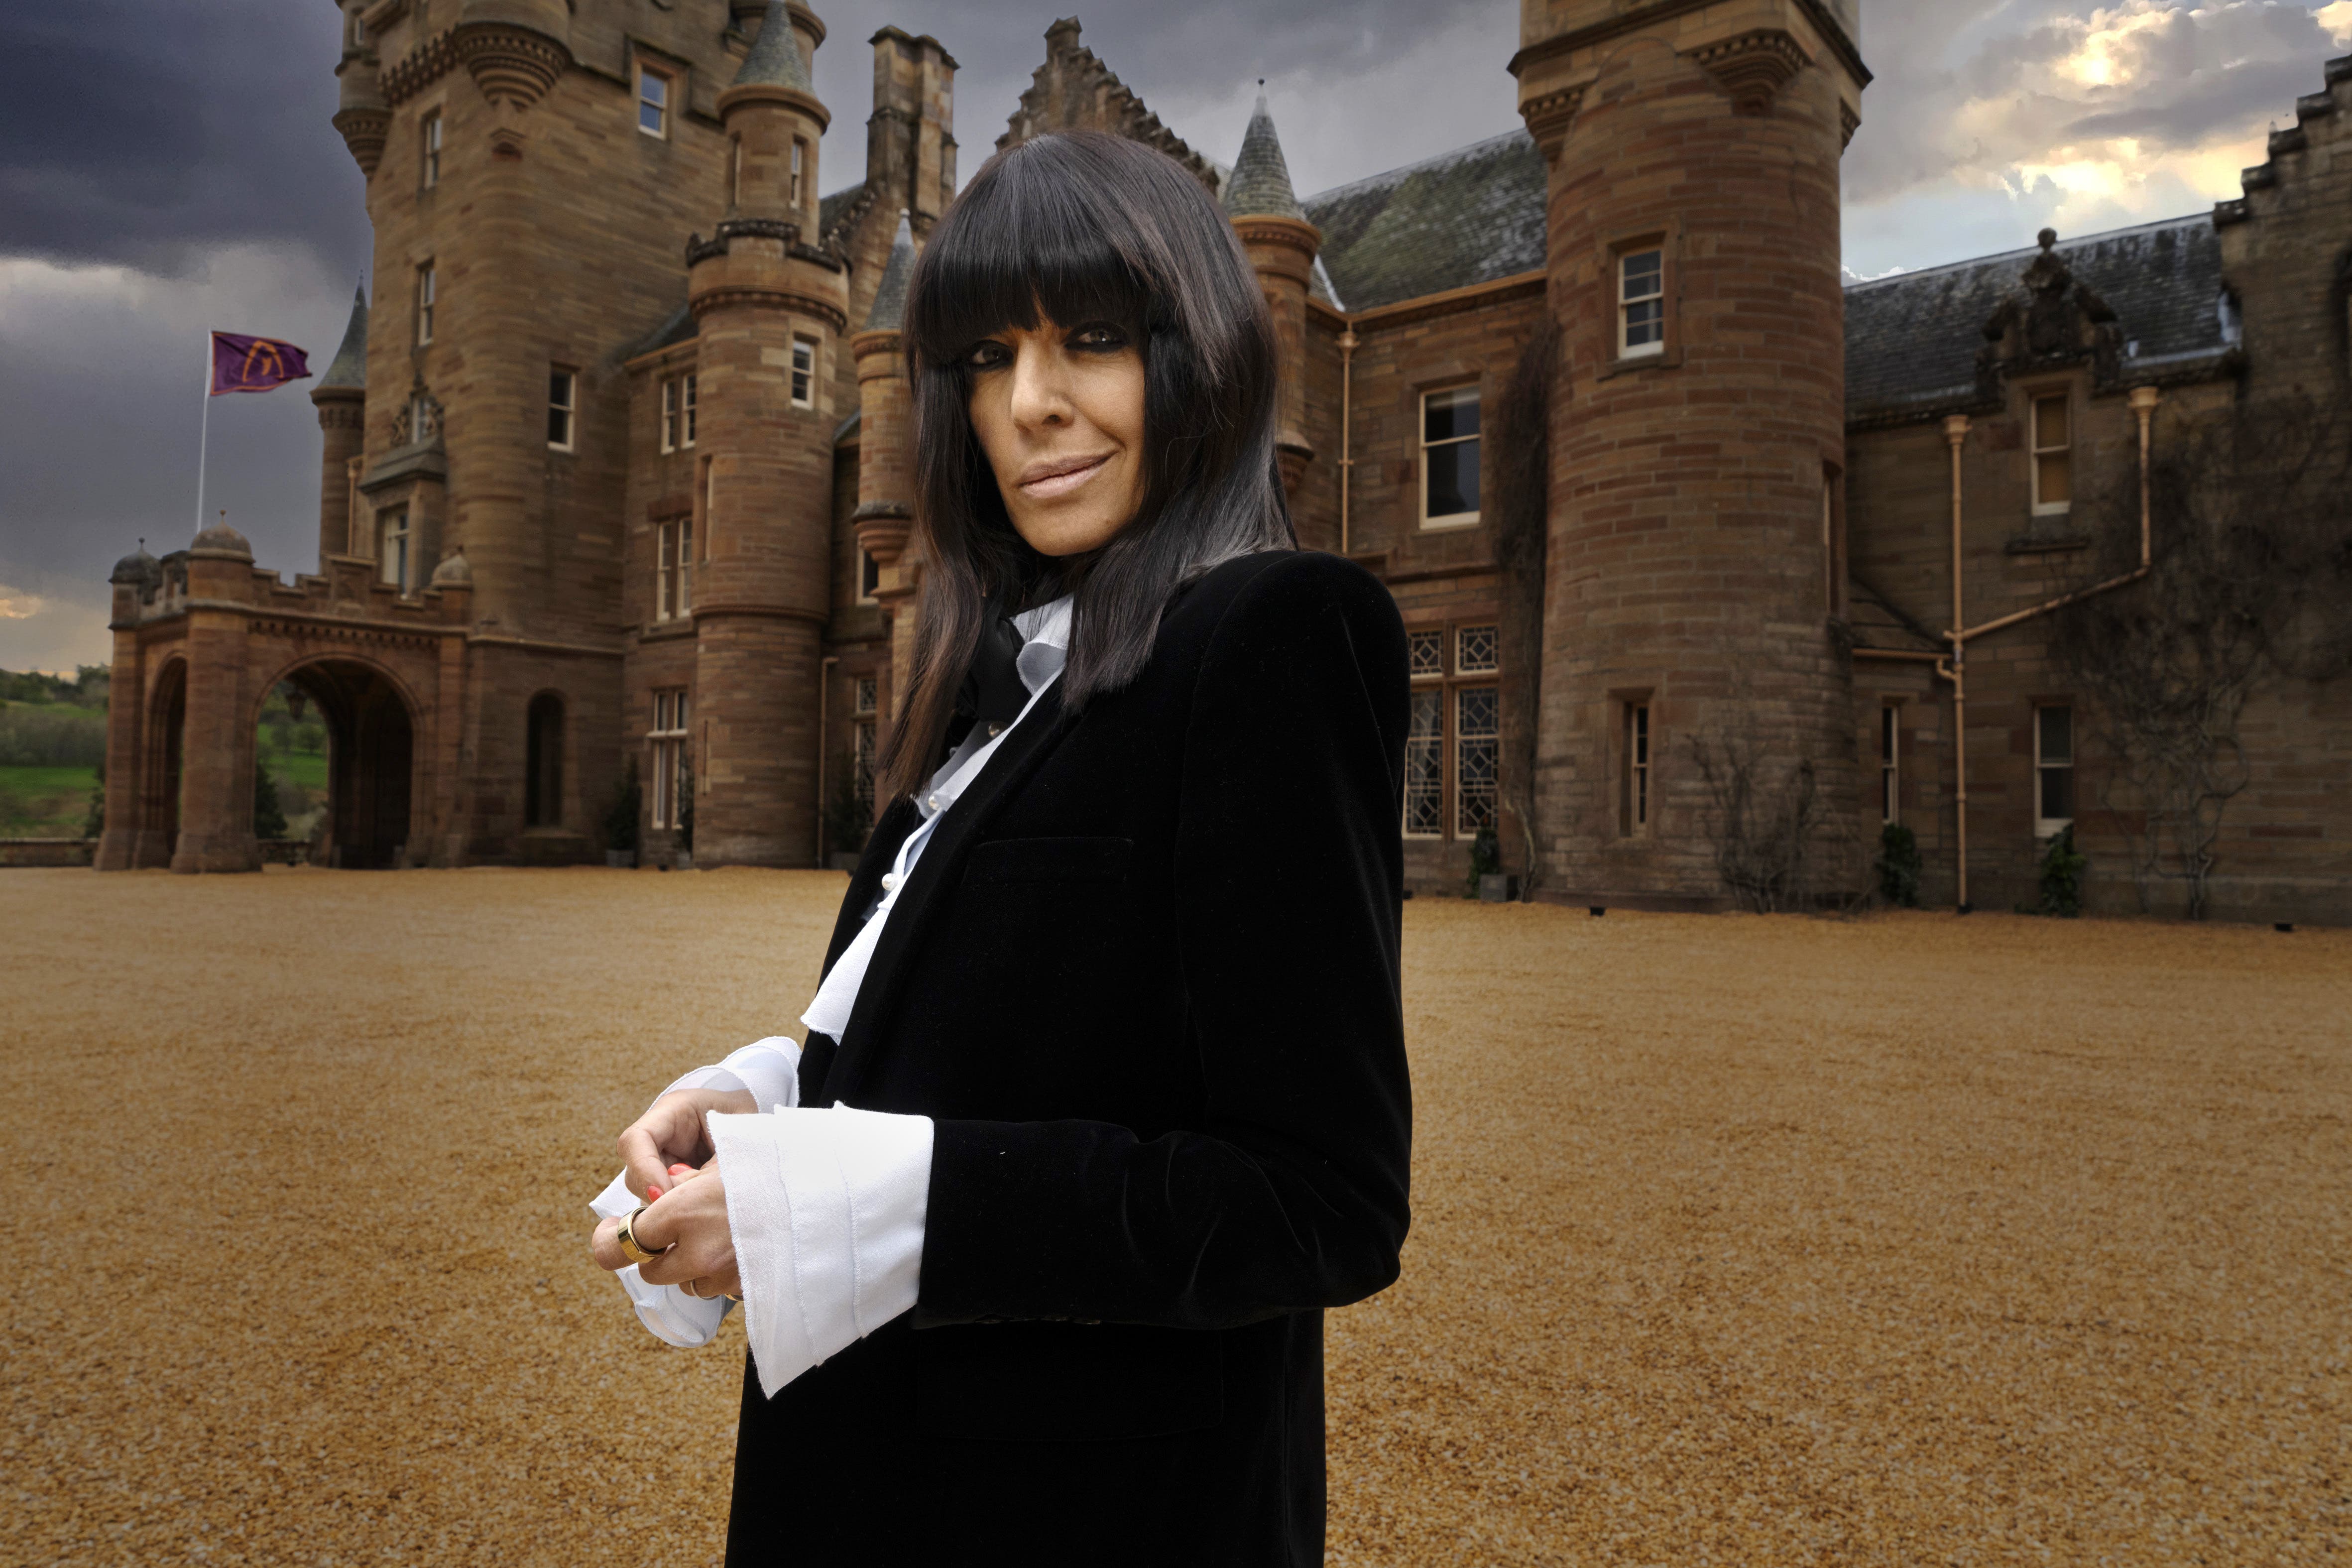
[(1098, 338), (988, 357)]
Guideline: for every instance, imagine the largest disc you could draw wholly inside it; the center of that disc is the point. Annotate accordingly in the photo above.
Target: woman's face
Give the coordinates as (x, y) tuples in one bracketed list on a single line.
[(1059, 411)]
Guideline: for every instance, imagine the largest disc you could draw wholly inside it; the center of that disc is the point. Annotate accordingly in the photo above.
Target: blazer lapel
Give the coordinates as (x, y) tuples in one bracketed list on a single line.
[(938, 870)]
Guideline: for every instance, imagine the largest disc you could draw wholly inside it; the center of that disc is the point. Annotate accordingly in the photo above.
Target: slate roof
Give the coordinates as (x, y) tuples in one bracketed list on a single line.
[(1260, 184), (1468, 216), (349, 367), (1911, 341), (775, 58), (675, 329), (890, 294)]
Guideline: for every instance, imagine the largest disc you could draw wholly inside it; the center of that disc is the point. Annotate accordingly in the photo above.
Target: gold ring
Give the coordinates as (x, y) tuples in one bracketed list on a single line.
[(631, 1247), (687, 1286)]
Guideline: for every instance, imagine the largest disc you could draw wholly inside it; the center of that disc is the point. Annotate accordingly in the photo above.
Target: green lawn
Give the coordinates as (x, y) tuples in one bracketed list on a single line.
[(44, 803), (308, 769)]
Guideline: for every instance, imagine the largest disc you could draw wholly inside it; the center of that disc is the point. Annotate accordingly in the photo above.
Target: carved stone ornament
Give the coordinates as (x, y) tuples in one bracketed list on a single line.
[(364, 131), (419, 418), (1753, 68), (1549, 117), (512, 64)]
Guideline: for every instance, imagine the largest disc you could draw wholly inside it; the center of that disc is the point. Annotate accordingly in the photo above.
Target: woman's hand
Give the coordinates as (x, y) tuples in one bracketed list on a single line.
[(687, 1226), (671, 1132)]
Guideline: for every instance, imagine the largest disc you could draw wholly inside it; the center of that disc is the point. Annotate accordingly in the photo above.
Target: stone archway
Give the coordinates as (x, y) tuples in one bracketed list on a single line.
[(371, 762), (159, 783)]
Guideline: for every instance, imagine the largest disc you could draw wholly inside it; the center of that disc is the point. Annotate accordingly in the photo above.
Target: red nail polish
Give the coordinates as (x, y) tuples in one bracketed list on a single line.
[(652, 1192)]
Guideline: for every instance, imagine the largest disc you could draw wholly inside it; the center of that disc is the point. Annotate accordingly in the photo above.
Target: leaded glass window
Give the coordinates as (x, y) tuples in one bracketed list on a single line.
[(1424, 766), (1478, 734), (1475, 651), (1424, 653)]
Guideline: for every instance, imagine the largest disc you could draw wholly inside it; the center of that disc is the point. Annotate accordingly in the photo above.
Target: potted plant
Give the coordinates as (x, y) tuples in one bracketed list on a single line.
[(621, 821), (1489, 883)]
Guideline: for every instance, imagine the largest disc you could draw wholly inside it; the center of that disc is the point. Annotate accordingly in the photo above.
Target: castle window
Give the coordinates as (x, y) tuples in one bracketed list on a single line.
[(866, 696), (1425, 654), (1634, 798), (2053, 456), (432, 148), (1424, 765), (562, 395), (869, 576), (673, 569), (1641, 303), (803, 372), (1477, 742), (654, 89), (543, 763), (2053, 769), (1476, 650), (800, 166), (667, 738), (687, 439), (669, 417), (1890, 762), (1449, 457), (393, 553), (427, 294), (734, 170)]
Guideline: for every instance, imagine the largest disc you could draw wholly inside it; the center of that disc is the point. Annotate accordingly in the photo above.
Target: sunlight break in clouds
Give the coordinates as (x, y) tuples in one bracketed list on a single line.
[(2014, 116)]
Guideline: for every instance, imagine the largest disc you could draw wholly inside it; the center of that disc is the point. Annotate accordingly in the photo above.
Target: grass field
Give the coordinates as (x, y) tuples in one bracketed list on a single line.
[(44, 803), (1738, 1241)]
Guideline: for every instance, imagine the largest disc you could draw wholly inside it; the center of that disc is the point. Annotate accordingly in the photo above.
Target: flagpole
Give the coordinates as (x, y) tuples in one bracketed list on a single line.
[(205, 437)]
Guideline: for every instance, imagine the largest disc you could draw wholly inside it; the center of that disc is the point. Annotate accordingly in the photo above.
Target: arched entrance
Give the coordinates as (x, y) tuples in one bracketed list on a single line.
[(371, 762), (159, 805)]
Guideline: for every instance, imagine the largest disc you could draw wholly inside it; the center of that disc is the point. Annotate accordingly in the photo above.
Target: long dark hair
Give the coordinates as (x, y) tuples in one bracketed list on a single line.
[(1084, 226)]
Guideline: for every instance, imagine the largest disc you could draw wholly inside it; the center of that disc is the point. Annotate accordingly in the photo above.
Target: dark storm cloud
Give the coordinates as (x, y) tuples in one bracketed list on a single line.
[(141, 132)]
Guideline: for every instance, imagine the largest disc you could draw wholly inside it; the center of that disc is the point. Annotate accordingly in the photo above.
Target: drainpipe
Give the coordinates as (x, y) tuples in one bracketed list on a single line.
[(823, 686), (1347, 383), (2142, 404), (1956, 432)]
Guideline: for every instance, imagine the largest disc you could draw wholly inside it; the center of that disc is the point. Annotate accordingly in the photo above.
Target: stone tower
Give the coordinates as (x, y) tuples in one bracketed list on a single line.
[(1281, 243), (886, 457), (340, 397), (1691, 626), (770, 306)]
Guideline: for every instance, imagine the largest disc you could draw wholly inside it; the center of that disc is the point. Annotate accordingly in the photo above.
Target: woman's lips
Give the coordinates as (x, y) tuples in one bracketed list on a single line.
[(1063, 479)]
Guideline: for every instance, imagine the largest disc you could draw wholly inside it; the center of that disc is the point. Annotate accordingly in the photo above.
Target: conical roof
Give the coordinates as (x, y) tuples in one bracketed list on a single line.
[(349, 366), (775, 58), (891, 299), (1260, 186)]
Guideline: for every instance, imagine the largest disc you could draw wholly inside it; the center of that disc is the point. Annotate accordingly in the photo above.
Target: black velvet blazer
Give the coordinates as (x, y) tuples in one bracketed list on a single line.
[(1144, 980)]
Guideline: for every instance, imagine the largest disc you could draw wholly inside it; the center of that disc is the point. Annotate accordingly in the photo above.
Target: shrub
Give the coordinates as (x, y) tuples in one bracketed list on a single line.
[(268, 816), (52, 735), (1899, 866), (94, 824), (2061, 876), (1485, 858), (621, 816)]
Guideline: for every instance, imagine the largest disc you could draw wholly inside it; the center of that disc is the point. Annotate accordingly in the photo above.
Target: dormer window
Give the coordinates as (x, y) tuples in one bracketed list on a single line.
[(2053, 456), (654, 89)]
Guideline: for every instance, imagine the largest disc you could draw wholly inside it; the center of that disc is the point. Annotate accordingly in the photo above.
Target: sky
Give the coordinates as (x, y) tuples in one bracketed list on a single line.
[(167, 167)]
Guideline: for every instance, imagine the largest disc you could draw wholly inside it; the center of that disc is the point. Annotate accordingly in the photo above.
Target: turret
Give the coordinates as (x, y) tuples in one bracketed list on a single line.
[(770, 306), (1282, 246), (911, 147), (340, 398), (362, 117)]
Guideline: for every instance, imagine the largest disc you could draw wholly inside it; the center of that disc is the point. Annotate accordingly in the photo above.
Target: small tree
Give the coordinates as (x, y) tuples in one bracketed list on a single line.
[(268, 816), (1899, 866), (1765, 819), (621, 815), (686, 802), (2061, 877)]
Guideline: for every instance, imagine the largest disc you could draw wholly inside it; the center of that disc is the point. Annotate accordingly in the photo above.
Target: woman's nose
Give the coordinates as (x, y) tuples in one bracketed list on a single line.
[(1040, 396)]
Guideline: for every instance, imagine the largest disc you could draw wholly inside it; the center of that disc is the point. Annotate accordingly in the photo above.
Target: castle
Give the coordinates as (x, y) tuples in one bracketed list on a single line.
[(615, 466)]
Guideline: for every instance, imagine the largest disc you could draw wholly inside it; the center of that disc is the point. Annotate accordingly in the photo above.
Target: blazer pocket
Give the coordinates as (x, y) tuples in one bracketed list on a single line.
[(1049, 860), (1065, 1382)]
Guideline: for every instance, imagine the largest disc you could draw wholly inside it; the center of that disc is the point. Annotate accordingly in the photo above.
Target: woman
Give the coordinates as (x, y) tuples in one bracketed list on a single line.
[(1114, 990)]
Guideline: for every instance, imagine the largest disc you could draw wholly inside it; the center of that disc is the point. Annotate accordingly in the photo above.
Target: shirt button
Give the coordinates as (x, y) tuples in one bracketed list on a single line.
[(934, 802), (889, 881)]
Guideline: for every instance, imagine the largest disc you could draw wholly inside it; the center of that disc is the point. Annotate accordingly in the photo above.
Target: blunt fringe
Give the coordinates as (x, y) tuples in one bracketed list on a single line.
[(1084, 226)]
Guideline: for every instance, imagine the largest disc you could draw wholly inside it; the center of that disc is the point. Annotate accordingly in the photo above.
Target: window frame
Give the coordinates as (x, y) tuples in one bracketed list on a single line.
[(429, 138), (1890, 763), (668, 735), (427, 300), (672, 570), (1637, 767), (2036, 451), (798, 174), (403, 580), (1458, 747), (1434, 743), (669, 413), (1453, 520), (2051, 827), (566, 409), (868, 567), (804, 376), (1622, 257), (686, 413), (664, 108), (1493, 632)]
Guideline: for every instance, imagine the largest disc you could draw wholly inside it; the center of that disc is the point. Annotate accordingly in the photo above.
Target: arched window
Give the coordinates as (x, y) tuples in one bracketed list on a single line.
[(543, 763)]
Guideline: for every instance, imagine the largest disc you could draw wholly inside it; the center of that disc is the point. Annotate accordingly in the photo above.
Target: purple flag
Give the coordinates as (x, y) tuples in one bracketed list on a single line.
[(255, 364)]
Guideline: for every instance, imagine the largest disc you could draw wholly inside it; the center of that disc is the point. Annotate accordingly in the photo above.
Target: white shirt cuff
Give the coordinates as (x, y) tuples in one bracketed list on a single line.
[(668, 1313), (770, 1069), (826, 1210)]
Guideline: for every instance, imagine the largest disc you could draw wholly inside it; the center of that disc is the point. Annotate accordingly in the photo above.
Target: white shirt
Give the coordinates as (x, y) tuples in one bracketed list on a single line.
[(826, 1207)]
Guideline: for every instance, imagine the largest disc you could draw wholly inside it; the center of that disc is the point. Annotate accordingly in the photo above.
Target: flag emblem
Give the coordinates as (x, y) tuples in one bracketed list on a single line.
[(255, 364)]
